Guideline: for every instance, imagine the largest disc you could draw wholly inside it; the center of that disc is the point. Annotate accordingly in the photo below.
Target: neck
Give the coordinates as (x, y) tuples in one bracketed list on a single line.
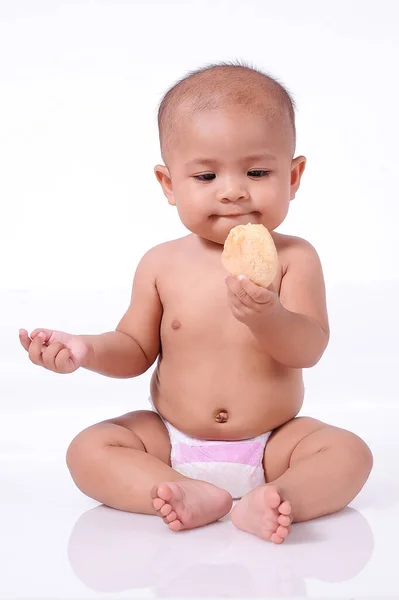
[(208, 244)]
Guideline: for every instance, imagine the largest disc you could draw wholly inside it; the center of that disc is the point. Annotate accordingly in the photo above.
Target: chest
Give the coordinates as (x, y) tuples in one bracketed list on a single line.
[(194, 299), (193, 293)]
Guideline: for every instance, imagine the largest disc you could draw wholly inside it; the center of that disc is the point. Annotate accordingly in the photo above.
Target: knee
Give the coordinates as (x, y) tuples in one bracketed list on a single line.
[(74, 451), (357, 453), (81, 450)]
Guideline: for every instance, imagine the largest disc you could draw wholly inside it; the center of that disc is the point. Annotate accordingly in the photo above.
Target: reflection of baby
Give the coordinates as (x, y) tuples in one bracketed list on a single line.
[(111, 551), (228, 383)]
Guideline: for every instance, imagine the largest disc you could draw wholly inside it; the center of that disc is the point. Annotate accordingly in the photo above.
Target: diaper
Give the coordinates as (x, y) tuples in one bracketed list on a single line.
[(234, 466)]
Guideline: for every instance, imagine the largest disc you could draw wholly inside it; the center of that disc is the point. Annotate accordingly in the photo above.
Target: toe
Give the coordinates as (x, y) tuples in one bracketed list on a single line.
[(154, 492), (276, 539), (171, 517), (282, 532), (165, 510), (175, 525), (164, 492), (284, 520), (285, 508), (158, 503), (272, 497), (266, 534)]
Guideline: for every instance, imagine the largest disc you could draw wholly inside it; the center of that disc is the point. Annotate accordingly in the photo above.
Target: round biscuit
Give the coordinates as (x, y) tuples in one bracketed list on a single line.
[(249, 250)]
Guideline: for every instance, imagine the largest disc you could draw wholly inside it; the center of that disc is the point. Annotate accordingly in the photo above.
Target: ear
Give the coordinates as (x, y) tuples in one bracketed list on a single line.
[(163, 176), (297, 169)]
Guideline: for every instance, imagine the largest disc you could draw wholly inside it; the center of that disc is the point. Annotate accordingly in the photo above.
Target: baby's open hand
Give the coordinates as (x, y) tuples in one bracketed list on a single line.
[(250, 302), (54, 350)]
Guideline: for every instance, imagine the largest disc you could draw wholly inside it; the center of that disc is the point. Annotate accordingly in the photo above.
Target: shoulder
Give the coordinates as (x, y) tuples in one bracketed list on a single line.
[(292, 249), (159, 257), (292, 243)]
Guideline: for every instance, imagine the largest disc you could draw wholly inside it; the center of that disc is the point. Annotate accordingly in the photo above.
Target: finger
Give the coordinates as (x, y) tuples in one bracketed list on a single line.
[(49, 353), (64, 362), (24, 339), (237, 306), (242, 312), (35, 350), (259, 294), (233, 299), (235, 287), (46, 334)]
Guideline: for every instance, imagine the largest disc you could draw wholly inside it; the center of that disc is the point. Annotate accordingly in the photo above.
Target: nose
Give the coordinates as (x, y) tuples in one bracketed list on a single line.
[(232, 189)]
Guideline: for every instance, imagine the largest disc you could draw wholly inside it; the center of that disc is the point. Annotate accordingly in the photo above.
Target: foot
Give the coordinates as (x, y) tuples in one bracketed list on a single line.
[(190, 503), (264, 513)]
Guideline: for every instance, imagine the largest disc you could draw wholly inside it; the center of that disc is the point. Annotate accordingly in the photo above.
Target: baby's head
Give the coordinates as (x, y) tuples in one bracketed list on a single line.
[(227, 135)]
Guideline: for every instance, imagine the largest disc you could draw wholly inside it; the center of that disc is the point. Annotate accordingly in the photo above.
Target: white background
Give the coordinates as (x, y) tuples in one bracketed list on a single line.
[(80, 83)]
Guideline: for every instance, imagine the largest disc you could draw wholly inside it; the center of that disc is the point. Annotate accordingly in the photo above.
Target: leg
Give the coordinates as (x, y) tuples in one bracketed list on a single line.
[(312, 469), (122, 462)]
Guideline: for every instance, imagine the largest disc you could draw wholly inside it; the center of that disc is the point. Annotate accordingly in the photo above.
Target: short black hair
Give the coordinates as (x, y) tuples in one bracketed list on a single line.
[(224, 84)]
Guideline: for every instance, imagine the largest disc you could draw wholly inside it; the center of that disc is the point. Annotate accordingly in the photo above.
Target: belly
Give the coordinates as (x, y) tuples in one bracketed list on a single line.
[(225, 392)]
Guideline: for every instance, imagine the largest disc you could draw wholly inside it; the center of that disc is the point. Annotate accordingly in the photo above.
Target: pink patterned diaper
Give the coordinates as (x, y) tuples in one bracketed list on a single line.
[(235, 466)]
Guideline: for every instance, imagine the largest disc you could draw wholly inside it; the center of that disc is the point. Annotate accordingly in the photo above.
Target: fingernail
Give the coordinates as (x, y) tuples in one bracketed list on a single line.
[(241, 277), (41, 335), (20, 331)]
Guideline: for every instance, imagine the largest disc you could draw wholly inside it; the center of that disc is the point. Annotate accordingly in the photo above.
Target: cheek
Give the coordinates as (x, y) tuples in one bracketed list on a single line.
[(275, 200), (277, 193), (192, 206)]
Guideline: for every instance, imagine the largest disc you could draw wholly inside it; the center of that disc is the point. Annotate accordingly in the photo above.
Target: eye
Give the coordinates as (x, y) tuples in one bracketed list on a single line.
[(205, 177), (257, 173)]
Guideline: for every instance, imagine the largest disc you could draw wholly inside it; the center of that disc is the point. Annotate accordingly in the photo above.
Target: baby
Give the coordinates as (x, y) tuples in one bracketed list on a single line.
[(228, 382)]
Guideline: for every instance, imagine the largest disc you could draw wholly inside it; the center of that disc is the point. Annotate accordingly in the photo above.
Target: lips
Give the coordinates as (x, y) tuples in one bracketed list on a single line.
[(251, 214), (237, 215)]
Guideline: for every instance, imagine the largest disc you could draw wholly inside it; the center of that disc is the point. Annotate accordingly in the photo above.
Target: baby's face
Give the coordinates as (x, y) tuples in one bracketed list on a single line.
[(230, 168)]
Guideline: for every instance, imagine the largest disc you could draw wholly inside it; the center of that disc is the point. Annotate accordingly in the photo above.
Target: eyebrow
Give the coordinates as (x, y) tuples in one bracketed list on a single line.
[(211, 161)]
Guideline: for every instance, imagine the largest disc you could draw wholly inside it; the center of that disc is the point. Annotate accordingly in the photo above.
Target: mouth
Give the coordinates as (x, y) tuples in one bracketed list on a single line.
[(237, 215)]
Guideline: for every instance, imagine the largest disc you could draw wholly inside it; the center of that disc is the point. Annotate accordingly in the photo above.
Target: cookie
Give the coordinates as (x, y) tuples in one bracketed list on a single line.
[(249, 250)]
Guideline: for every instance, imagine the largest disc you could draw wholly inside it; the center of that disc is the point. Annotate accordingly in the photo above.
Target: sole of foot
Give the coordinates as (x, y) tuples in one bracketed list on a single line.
[(264, 513), (189, 503)]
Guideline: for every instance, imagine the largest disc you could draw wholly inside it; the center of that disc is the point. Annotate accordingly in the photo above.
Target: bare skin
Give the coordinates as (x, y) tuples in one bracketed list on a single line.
[(223, 346), (215, 384)]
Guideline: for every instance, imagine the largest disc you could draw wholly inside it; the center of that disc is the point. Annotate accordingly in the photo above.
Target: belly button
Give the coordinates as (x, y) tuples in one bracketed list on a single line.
[(222, 416), (176, 324)]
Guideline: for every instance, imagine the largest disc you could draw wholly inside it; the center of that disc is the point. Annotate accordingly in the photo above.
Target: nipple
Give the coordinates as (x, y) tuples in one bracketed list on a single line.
[(222, 416), (176, 324)]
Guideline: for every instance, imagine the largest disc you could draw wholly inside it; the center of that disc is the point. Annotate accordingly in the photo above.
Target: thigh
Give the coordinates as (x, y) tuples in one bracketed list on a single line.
[(285, 444), (140, 430)]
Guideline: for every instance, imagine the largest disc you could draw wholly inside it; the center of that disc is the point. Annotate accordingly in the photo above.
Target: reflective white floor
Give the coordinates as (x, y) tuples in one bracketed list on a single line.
[(56, 543)]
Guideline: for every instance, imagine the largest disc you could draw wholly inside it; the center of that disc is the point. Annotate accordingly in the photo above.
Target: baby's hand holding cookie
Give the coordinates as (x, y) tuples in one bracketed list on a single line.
[(249, 302), (250, 256)]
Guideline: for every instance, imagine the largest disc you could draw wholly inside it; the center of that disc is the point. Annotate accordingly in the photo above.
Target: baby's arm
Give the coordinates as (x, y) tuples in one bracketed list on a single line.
[(126, 352), (292, 327), (133, 347), (299, 334)]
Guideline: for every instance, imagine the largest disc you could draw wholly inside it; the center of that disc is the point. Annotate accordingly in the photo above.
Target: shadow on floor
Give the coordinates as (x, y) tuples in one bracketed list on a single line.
[(113, 551)]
